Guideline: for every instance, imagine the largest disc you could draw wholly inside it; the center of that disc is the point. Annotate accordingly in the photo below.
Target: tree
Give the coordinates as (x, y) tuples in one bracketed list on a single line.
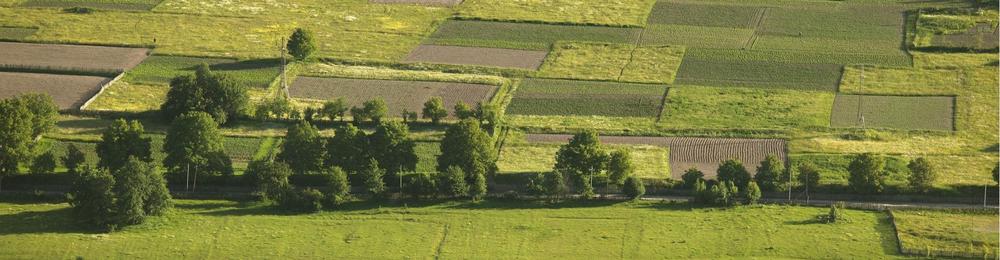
[(212, 93), (489, 116), (277, 107), (478, 188), (347, 149), (808, 176), (464, 111), (123, 140), (43, 111), (733, 170), (769, 173), (301, 45), (334, 109), (434, 110), (620, 166), (15, 136), (701, 193), (692, 176), (391, 146), (582, 158), (191, 140), (452, 182), (376, 110), (867, 173), (421, 185), (466, 145), (131, 189), (751, 194), (634, 188), (74, 159), (359, 115), (269, 179), (125, 197), (91, 197), (44, 163), (922, 174), (337, 182), (303, 148), (555, 184), (309, 114), (372, 175)]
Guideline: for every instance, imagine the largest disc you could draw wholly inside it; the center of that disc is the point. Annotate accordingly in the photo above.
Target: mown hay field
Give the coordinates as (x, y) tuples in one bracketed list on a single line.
[(940, 233), (159, 70), (613, 62), (128, 5), (524, 35), (598, 229), (586, 98), (631, 13), (690, 107), (67, 91), (70, 57), (493, 57), (900, 112), (398, 95)]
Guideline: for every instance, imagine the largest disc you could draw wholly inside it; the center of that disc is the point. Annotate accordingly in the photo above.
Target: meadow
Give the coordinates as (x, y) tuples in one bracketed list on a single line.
[(524, 36), (628, 13), (941, 233), (586, 98), (745, 108), (613, 62), (516, 229), (916, 113)]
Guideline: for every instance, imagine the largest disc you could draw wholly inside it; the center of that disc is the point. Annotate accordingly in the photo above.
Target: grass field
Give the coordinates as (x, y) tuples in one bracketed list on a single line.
[(129, 5), (524, 35), (613, 62), (759, 74), (926, 232), (162, 69), (696, 36), (952, 171), (586, 98), (942, 29), (241, 150), (650, 161), (492, 57), (916, 113), (569, 124), (207, 229), (745, 108), (631, 13)]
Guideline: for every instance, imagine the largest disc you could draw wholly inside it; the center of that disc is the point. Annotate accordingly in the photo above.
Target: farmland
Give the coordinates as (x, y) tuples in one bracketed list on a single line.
[(524, 36), (522, 59), (16, 33), (398, 95), (128, 5), (622, 13), (651, 161), (613, 62), (941, 233), (745, 108), (67, 91), (917, 113), (70, 57), (159, 70), (583, 98)]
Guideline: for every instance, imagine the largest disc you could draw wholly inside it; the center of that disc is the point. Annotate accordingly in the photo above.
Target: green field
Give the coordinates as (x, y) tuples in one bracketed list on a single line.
[(944, 29), (650, 161), (613, 62), (601, 230), (162, 69), (759, 74), (953, 171), (690, 107), (916, 113), (669, 12), (586, 98), (240, 149), (16, 33), (129, 5), (523, 35), (938, 233), (618, 13)]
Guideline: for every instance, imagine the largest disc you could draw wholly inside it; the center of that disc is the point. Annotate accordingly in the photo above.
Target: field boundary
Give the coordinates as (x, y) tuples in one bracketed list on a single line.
[(100, 91), (663, 105)]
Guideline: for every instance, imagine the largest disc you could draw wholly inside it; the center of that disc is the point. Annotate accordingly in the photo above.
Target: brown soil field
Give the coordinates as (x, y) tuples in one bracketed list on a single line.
[(75, 57), (419, 2), (68, 92), (705, 154), (398, 95), (477, 56)]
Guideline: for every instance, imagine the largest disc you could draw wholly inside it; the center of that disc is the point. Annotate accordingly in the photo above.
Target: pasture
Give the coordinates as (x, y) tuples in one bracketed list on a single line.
[(689, 107), (398, 95), (586, 98), (493, 57), (70, 57), (67, 91), (941, 233), (613, 62), (517, 229), (524, 35), (916, 113)]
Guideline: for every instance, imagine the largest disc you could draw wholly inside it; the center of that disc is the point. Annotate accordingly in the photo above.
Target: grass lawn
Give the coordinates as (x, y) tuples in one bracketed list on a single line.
[(650, 161), (690, 107), (974, 233), (613, 62), (601, 230), (630, 13), (586, 98)]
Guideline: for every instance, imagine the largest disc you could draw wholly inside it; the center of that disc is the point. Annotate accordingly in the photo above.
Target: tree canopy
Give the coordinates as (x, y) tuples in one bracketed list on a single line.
[(467, 146), (303, 148), (191, 142), (123, 140), (867, 173), (205, 91), (301, 45)]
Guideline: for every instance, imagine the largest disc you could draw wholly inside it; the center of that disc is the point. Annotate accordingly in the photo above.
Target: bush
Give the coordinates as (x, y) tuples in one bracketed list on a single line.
[(44, 163), (769, 173), (751, 194), (922, 175), (307, 200), (372, 176), (74, 159), (464, 111), (734, 171), (269, 179), (434, 110), (337, 182), (867, 173), (835, 215), (634, 188), (421, 185), (452, 182), (301, 45), (92, 199), (691, 177), (555, 184)]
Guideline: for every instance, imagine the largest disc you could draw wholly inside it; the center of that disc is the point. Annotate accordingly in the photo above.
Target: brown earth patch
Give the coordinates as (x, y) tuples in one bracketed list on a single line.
[(419, 2), (398, 95), (68, 92), (492, 57), (705, 154), (75, 57)]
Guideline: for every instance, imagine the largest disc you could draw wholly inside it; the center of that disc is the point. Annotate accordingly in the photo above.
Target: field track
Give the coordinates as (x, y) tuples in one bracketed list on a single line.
[(70, 56), (492, 57), (398, 95), (686, 152), (68, 92)]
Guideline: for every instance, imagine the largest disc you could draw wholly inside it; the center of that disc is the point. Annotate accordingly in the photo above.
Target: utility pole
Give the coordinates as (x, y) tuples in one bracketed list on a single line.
[(284, 61), (861, 98)]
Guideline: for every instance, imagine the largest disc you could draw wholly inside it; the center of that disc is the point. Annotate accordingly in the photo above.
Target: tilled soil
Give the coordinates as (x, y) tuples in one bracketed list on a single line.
[(68, 92), (492, 57), (705, 154), (70, 56), (398, 95)]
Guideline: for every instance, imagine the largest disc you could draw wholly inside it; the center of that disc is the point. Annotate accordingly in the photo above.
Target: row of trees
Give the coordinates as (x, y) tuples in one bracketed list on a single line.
[(24, 119), (582, 161)]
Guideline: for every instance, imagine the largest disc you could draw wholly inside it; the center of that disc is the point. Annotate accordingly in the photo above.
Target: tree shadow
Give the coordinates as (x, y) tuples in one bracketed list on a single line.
[(38, 222), (246, 65), (533, 204)]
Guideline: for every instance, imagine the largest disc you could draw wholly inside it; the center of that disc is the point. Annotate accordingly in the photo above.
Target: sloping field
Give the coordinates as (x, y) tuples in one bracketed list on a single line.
[(70, 56), (158, 69), (492, 57), (16, 33), (914, 113), (586, 98), (613, 62), (129, 5), (614, 13), (398, 95), (759, 74), (689, 107), (705, 154), (941, 233), (67, 91), (419, 2), (524, 35)]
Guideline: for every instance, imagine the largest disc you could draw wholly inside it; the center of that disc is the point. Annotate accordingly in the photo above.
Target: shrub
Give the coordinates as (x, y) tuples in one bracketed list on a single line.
[(44, 163), (421, 185), (620, 166), (555, 184), (372, 175), (303, 148), (464, 111), (634, 188), (91, 197), (306, 200), (751, 194), (733, 170), (769, 173), (867, 173), (835, 215), (691, 177), (452, 182), (79, 10), (434, 110), (922, 174), (478, 188), (337, 182), (536, 185), (334, 109), (376, 110), (701, 194), (74, 159), (269, 179)]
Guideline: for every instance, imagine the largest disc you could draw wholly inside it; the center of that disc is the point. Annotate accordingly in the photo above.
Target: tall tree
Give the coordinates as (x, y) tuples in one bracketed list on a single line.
[(733, 170), (376, 110), (15, 136), (374, 183), (922, 174), (452, 182), (751, 194), (337, 182), (392, 147), (867, 173), (91, 197), (478, 188), (191, 140), (467, 146), (620, 166), (334, 109), (207, 92), (74, 159), (582, 158), (692, 176), (301, 45), (347, 149), (634, 188), (269, 179), (122, 140), (808, 176), (43, 111), (44, 163), (303, 148), (434, 110), (769, 173)]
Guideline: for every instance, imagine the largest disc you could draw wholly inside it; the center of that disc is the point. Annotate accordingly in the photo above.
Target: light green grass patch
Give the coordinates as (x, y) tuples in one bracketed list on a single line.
[(691, 107), (615, 13), (929, 233), (669, 12), (898, 112), (161, 69), (650, 161), (759, 74), (563, 124), (613, 62), (127, 97)]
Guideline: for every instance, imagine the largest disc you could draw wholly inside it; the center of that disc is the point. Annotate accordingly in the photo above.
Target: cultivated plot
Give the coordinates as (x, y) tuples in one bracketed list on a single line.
[(733, 16), (586, 98), (493, 57), (16, 33), (981, 37), (613, 62), (525, 35), (614, 13), (129, 5), (159, 70), (71, 57), (759, 74), (398, 95), (942, 233), (696, 36), (419, 2), (900, 112), (67, 91), (688, 107), (705, 154)]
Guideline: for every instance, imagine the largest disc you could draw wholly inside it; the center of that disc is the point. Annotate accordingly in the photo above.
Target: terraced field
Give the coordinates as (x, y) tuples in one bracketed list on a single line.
[(586, 98)]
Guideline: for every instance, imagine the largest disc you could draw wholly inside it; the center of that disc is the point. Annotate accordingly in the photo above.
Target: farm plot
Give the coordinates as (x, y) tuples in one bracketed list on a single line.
[(586, 98), (398, 95), (493, 57), (159, 70), (982, 37), (759, 74), (70, 57), (129, 5), (696, 36), (953, 171), (650, 161), (912, 113), (16, 33), (942, 233), (419, 2), (524, 36), (956, 29), (689, 107), (67, 91), (613, 62), (705, 154), (631, 13), (874, 28), (797, 57), (668, 12), (241, 150)]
